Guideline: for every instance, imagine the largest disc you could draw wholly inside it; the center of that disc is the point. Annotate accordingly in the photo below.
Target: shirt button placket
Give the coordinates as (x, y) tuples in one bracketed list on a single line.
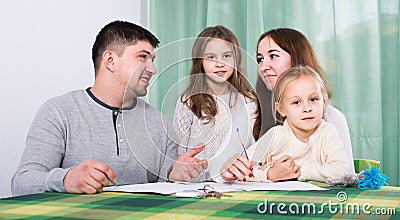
[(121, 138)]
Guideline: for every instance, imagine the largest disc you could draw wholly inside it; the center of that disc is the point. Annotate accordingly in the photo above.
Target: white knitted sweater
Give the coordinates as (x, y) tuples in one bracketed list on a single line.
[(220, 134)]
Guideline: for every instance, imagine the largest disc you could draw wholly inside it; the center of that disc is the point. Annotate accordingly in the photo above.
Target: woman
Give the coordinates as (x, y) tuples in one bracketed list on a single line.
[(277, 51)]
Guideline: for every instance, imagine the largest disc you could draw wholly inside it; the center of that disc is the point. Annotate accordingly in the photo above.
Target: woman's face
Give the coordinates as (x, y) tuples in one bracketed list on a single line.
[(272, 61)]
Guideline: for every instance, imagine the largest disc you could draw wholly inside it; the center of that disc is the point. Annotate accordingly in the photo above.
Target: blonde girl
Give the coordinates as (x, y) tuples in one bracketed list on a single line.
[(314, 146)]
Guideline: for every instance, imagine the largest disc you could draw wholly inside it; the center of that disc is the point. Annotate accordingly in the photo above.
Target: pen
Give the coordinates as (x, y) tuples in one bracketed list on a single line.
[(115, 183), (245, 152), (259, 164)]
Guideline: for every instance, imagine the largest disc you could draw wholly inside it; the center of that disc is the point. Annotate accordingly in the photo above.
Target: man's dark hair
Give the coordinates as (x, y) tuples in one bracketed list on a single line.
[(116, 36)]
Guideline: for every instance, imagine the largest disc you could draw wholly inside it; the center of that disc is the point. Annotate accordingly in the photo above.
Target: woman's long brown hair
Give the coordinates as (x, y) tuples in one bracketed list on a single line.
[(301, 53)]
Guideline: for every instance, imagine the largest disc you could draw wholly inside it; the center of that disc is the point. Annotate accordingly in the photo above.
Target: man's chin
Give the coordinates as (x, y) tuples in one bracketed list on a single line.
[(135, 93), (141, 94)]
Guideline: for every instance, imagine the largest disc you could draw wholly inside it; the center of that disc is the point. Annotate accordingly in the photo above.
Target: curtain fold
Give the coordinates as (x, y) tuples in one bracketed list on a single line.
[(356, 42)]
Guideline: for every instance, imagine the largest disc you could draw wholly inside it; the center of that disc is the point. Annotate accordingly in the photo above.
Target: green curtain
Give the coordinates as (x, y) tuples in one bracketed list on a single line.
[(356, 42)]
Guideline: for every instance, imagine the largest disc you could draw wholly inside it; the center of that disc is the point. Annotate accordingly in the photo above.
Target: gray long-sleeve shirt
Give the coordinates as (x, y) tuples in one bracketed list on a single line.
[(67, 130)]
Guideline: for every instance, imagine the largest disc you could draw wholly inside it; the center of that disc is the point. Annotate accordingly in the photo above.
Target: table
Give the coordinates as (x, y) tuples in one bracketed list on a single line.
[(334, 203)]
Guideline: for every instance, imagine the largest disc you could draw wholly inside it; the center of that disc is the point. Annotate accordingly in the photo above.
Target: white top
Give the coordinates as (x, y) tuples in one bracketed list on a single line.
[(218, 133), (321, 158), (336, 117)]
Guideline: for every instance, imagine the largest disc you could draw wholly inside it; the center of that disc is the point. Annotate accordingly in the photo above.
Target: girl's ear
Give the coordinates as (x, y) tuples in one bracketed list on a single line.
[(280, 109), (108, 60), (325, 103)]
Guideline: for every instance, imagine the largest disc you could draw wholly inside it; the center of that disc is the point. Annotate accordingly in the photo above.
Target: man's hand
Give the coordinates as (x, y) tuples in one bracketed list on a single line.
[(88, 177), (187, 166), (283, 169)]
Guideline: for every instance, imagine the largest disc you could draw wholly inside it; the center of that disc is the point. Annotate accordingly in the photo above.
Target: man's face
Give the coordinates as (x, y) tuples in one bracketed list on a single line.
[(135, 68)]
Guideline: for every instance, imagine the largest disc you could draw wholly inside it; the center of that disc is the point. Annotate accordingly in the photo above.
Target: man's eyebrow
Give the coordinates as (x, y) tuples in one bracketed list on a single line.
[(153, 55), (144, 51)]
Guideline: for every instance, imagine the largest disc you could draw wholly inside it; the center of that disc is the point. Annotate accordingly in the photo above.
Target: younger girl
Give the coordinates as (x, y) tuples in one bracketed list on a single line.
[(218, 106), (314, 145)]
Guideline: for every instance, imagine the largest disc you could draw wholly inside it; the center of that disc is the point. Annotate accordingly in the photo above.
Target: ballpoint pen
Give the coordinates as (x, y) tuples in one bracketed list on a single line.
[(115, 183), (245, 153)]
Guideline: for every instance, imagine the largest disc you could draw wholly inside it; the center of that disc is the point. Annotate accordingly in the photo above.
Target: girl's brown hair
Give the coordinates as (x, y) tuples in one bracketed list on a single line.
[(197, 96)]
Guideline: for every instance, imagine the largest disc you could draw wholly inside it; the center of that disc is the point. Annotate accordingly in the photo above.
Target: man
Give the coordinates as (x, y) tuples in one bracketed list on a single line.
[(80, 141)]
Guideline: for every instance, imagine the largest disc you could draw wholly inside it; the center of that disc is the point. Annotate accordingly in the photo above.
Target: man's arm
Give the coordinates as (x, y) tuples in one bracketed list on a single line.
[(39, 169)]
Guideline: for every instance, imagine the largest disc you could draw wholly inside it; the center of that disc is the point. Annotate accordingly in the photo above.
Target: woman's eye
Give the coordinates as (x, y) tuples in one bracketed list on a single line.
[(260, 59), (272, 56)]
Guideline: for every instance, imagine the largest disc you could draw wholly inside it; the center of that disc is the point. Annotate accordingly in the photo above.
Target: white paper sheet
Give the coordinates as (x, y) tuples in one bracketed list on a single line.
[(171, 188), (283, 186)]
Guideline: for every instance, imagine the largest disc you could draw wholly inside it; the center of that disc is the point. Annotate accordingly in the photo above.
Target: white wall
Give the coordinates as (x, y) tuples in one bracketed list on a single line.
[(46, 51)]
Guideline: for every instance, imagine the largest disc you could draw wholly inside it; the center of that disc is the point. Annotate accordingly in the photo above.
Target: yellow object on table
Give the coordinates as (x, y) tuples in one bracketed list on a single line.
[(360, 164)]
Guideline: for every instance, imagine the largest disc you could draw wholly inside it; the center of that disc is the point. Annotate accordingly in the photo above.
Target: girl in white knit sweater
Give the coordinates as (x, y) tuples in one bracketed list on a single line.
[(311, 146), (217, 102)]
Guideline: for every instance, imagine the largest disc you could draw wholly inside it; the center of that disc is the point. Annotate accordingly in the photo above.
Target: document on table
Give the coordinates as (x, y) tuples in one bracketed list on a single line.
[(171, 188)]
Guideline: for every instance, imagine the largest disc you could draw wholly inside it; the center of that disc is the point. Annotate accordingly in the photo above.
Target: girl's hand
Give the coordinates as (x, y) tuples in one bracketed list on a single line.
[(283, 169)]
